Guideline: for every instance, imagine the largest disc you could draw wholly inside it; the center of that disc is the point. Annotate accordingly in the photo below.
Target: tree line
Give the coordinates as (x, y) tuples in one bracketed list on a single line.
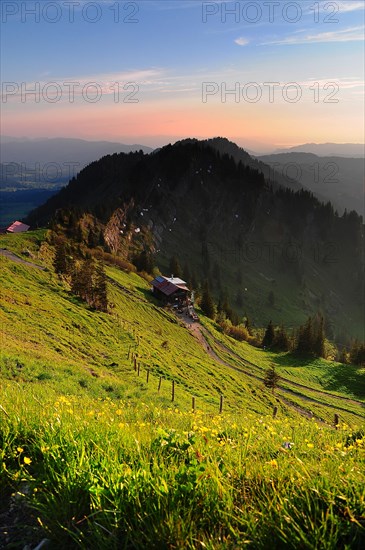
[(86, 276)]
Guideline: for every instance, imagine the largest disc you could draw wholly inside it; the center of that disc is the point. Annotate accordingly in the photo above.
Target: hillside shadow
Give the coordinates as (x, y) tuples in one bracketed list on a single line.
[(147, 294), (293, 360), (335, 378), (345, 378)]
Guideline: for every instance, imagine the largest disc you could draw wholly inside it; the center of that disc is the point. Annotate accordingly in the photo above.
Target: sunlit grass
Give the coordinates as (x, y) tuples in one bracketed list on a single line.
[(116, 474)]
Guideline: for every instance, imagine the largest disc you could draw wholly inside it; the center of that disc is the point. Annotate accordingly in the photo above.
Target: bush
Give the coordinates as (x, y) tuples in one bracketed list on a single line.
[(110, 259), (239, 332)]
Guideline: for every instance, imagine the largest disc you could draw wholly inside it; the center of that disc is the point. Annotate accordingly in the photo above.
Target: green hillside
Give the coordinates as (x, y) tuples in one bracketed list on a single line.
[(51, 336), (94, 454)]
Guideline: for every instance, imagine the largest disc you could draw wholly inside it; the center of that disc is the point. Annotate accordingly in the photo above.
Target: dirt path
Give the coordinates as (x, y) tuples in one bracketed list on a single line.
[(200, 334), (287, 380), (11, 256)]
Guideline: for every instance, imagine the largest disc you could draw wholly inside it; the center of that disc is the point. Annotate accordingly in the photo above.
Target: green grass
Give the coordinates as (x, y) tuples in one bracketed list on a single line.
[(113, 463), (49, 336), (112, 474)]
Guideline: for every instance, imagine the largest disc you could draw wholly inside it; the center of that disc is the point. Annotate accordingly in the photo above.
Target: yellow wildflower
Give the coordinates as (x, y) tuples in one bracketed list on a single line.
[(27, 460)]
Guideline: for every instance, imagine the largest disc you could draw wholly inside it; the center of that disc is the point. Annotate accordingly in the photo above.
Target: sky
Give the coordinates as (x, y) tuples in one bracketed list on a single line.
[(265, 74)]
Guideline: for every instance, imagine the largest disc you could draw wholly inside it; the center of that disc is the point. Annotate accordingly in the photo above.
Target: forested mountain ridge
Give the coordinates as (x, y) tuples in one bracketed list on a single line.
[(227, 224)]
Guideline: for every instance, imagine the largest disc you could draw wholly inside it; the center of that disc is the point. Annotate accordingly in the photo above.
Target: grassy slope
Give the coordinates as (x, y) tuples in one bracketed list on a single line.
[(51, 337), (105, 461)]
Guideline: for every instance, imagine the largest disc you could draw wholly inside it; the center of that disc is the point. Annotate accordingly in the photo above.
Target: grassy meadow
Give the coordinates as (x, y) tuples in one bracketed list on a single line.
[(94, 454)]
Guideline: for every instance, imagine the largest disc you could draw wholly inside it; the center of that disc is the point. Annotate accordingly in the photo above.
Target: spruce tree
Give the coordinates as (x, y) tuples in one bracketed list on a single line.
[(269, 336), (357, 354), (62, 262), (271, 379), (305, 340), (175, 267), (60, 259), (144, 261), (281, 341), (207, 303), (227, 309), (82, 281), (100, 289), (354, 351)]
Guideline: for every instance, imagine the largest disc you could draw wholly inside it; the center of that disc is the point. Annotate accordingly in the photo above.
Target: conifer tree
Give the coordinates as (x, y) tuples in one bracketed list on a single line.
[(100, 289), (305, 338), (357, 353), (144, 261), (269, 336), (271, 379), (227, 309), (354, 350), (62, 262), (281, 341), (175, 267), (207, 303), (82, 281)]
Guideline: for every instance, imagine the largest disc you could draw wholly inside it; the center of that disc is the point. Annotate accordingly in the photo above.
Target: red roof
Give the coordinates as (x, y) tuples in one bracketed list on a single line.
[(167, 286), (18, 227)]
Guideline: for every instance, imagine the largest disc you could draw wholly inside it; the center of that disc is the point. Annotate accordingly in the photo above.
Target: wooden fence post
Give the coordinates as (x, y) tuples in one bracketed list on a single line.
[(193, 403), (221, 404), (159, 384), (274, 412), (138, 369), (147, 375), (135, 362), (173, 391), (336, 421)]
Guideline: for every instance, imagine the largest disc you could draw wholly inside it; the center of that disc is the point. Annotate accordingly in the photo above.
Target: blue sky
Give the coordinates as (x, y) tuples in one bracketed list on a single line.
[(170, 49)]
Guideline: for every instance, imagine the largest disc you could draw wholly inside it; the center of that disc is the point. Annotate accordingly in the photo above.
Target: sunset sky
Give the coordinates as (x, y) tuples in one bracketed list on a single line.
[(153, 71)]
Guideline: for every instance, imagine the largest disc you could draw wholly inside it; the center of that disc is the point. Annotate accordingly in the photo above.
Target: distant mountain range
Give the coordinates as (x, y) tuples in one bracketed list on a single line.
[(31, 170), (62, 155), (354, 150), (337, 179)]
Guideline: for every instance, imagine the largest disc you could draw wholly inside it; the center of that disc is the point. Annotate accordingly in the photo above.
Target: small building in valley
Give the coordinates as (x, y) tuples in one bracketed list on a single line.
[(17, 227), (170, 289)]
